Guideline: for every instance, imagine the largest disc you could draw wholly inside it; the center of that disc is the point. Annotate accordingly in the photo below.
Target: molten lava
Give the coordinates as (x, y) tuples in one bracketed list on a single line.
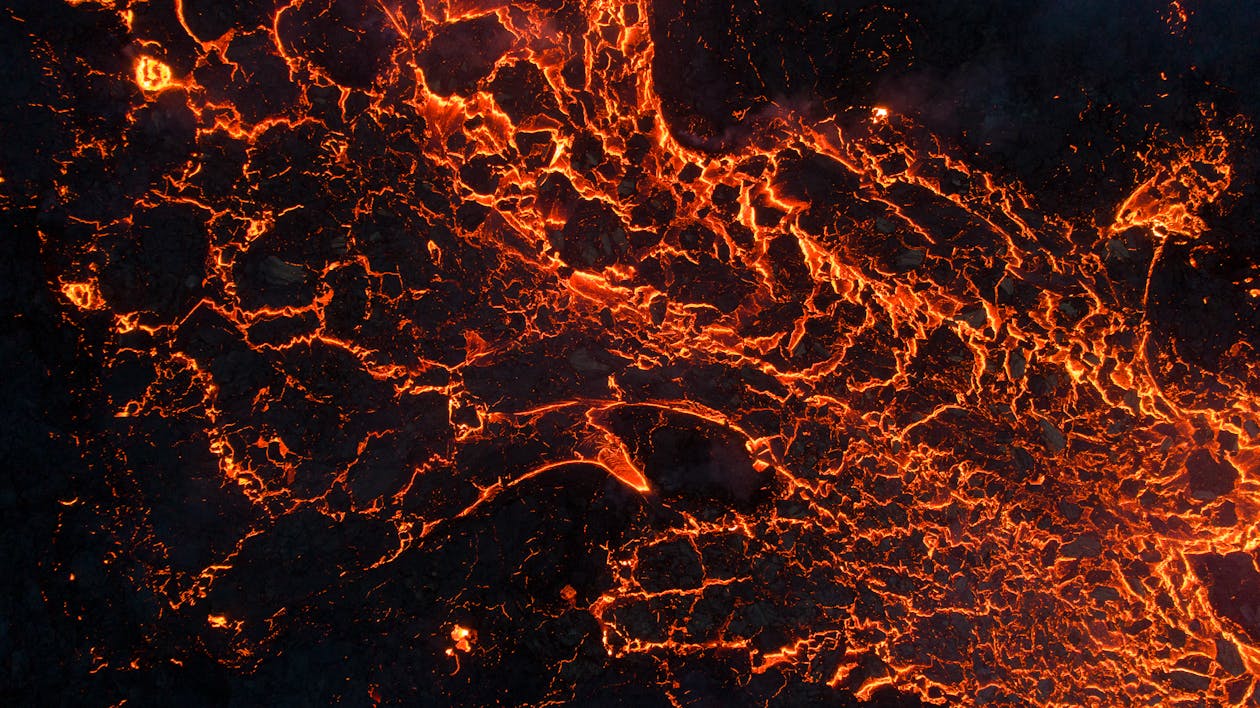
[(152, 75), (421, 330)]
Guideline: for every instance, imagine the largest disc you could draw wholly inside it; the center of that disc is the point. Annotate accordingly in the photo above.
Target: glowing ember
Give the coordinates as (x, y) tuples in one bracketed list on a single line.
[(152, 75), (463, 637), (84, 295)]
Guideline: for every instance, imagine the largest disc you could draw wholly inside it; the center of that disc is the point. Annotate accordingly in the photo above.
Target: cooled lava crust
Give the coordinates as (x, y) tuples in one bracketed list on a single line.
[(677, 353)]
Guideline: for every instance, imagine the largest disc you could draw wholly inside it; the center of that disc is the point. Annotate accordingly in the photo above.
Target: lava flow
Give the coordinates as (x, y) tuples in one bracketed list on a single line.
[(551, 352)]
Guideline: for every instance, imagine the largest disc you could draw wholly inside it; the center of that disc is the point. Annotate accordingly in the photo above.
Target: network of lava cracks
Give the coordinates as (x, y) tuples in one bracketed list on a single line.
[(830, 407)]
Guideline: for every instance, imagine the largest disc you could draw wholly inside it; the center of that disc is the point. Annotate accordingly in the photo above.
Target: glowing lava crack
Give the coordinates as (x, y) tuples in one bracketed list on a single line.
[(420, 328)]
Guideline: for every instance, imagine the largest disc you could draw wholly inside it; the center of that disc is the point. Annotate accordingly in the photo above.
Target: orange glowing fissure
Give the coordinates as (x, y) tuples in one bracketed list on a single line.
[(881, 377)]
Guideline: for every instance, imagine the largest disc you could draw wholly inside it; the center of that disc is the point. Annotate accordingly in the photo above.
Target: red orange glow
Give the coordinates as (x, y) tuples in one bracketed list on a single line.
[(85, 295), (152, 75)]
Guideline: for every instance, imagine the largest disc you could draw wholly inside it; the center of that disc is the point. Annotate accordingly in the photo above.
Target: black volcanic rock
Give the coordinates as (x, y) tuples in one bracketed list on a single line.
[(522, 91), (461, 54), (1233, 588), (690, 460), (159, 265), (348, 40), (594, 236), (1208, 476)]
